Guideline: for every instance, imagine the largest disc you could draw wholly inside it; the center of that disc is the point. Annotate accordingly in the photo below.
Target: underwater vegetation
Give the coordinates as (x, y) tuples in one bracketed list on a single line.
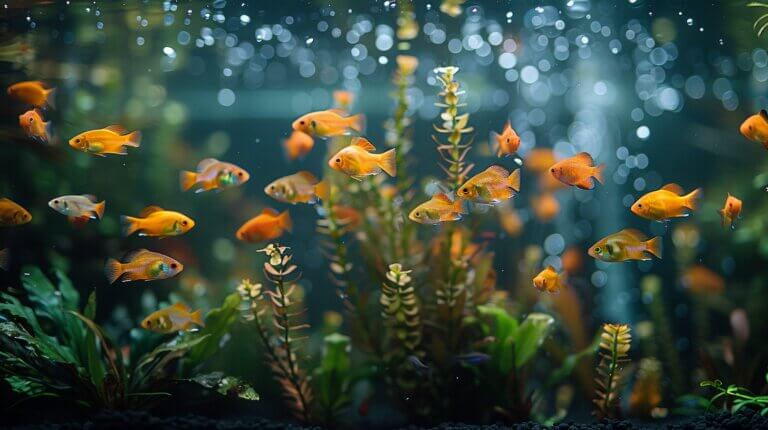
[(408, 242)]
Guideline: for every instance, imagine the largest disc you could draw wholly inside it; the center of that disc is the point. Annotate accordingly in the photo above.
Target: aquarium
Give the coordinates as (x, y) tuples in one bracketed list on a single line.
[(383, 213)]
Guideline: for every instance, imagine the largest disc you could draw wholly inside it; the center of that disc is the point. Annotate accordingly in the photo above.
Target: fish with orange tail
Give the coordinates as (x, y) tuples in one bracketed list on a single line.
[(34, 126), (298, 144), (731, 211), (358, 160), (329, 123), (578, 171), (78, 208), (549, 280), (12, 213), (213, 174), (699, 279), (508, 141), (755, 128), (33, 93), (628, 244), (177, 317), (109, 140), (142, 265), (301, 187), (491, 186), (665, 203), (154, 221), (440, 208), (268, 225)]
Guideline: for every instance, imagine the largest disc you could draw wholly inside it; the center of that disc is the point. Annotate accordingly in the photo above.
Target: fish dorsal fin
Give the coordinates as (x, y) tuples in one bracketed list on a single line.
[(90, 197), (442, 197), (497, 170), (135, 254), (507, 127), (338, 111), (116, 128), (270, 211), (149, 210), (585, 158), (673, 188), (364, 144), (206, 163), (551, 269), (764, 115), (307, 176), (181, 307), (636, 234)]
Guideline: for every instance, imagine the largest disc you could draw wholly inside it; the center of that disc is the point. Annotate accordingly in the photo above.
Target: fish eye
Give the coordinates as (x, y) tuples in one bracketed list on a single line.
[(338, 161), (56, 201), (77, 140), (31, 120), (184, 222), (240, 174), (597, 250), (301, 122), (418, 214), (639, 205), (174, 265), (552, 170), (272, 187), (730, 205)]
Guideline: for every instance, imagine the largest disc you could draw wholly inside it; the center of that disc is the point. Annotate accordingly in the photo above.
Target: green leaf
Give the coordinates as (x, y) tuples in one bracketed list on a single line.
[(570, 362), (503, 330), (179, 345), (218, 322), (226, 385), (531, 334), (90, 306), (70, 298)]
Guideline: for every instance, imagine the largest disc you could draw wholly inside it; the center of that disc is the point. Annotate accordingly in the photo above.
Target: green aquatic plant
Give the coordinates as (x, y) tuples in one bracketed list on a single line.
[(400, 127), (274, 314), (55, 349), (333, 378), (454, 126), (737, 397), (615, 342), (762, 20), (651, 287)]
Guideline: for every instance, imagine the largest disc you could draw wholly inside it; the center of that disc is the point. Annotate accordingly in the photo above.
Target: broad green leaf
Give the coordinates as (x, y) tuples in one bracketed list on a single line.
[(503, 329), (531, 334), (226, 385), (218, 322), (69, 296), (177, 345)]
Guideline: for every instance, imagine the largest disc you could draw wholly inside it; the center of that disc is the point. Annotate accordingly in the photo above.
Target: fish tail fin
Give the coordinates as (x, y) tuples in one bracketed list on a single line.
[(133, 139), (598, 173), (357, 122), (50, 98), (113, 270), (98, 208), (4, 258), (691, 200), (654, 246), (514, 180), (197, 317), (130, 225), (322, 190), (388, 162), (286, 222), (187, 180)]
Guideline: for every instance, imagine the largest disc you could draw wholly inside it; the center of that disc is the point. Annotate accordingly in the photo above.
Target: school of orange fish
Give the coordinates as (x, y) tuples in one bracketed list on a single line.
[(493, 186)]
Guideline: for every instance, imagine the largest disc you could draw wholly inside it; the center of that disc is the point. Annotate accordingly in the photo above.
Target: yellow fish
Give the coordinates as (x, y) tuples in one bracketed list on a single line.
[(578, 171), (298, 145), (83, 207), (667, 202), (109, 140), (301, 187), (628, 244), (730, 211), (755, 128), (5, 257), (493, 185), (173, 318), (357, 161), (213, 174), (34, 126), (11, 213), (33, 93), (548, 280), (438, 209), (328, 123), (157, 222), (142, 265)]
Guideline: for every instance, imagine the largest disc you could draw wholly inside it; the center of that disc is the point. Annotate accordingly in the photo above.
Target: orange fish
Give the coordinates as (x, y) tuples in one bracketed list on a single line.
[(173, 318), (109, 140), (731, 210), (12, 214), (328, 123), (298, 145), (33, 125), (572, 260), (343, 99), (508, 141), (493, 185), (540, 160), (548, 183), (438, 209), (5, 257), (142, 265), (301, 187), (33, 93), (358, 161), (545, 207), (699, 279), (667, 202), (578, 171), (628, 244), (78, 208), (549, 280), (213, 174), (268, 225), (755, 128), (155, 221)]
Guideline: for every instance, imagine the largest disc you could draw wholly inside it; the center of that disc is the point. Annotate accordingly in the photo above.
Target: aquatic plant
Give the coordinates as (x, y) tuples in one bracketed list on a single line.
[(738, 397), (281, 338), (402, 319), (454, 125), (762, 20), (399, 128), (651, 288), (55, 349), (333, 379), (614, 346)]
